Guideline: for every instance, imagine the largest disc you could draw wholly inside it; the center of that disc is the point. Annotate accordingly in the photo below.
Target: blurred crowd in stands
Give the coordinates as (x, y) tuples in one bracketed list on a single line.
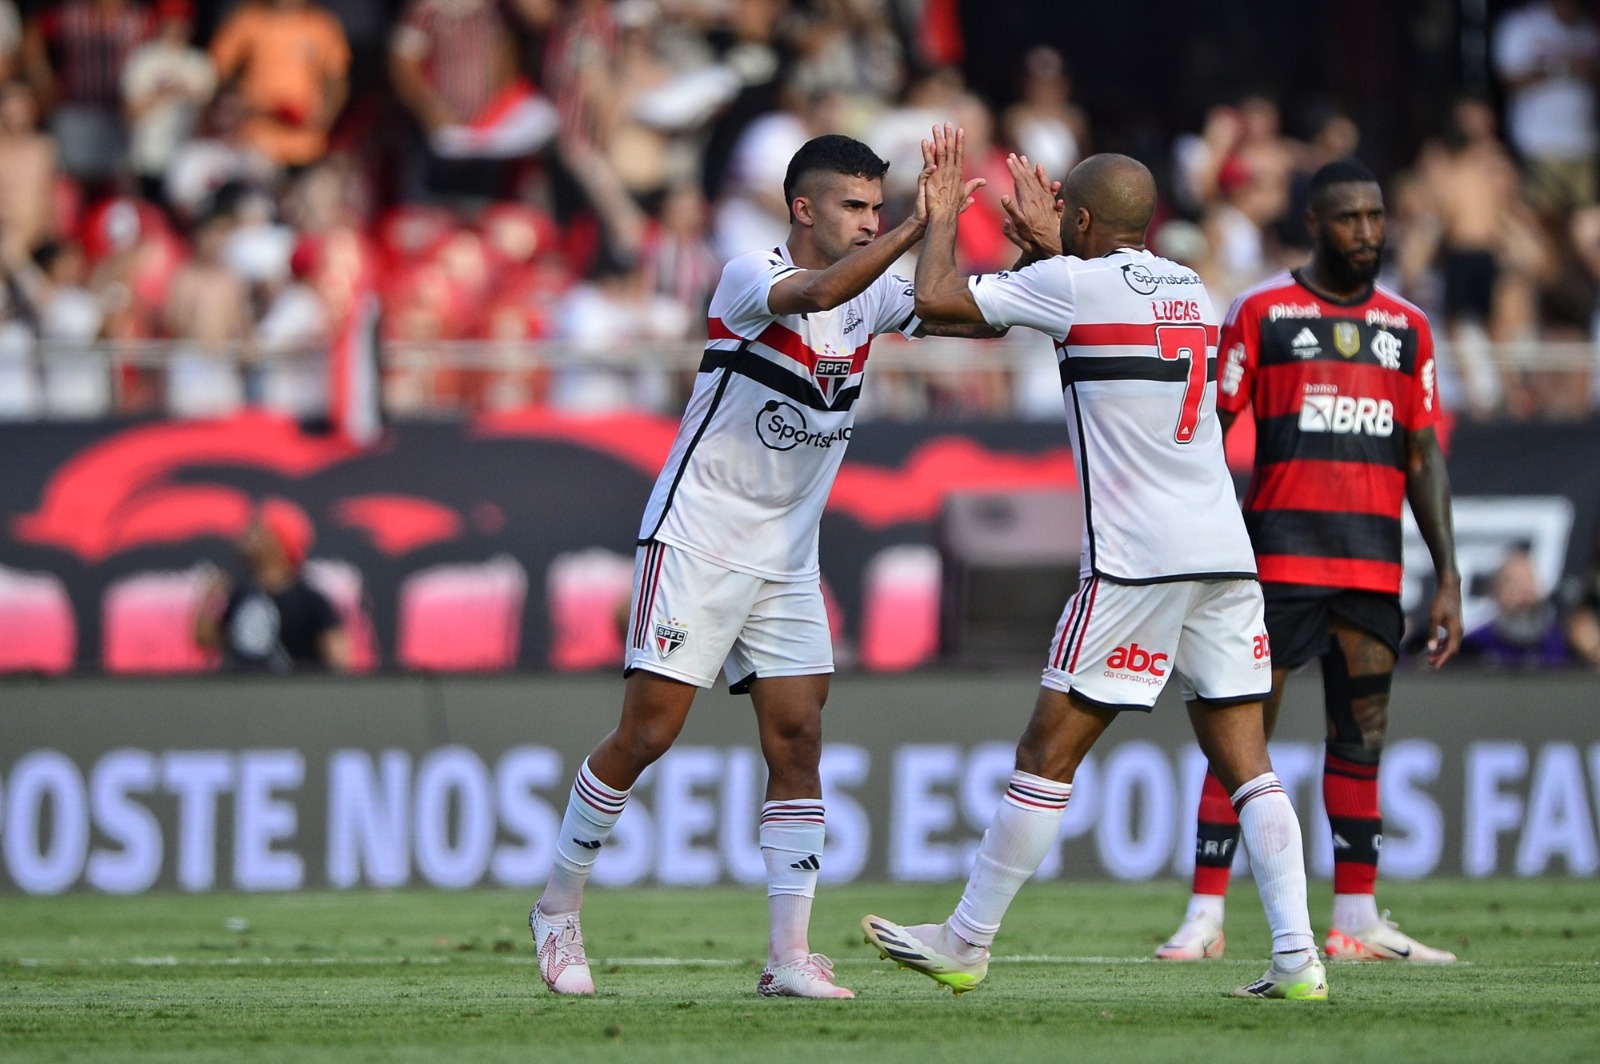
[(576, 171)]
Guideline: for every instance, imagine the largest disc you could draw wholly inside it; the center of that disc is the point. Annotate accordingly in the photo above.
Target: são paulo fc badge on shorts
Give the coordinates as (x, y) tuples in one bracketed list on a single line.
[(669, 637)]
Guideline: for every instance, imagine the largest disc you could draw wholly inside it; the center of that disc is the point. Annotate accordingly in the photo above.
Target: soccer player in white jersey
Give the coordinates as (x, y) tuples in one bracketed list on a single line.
[(726, 578), (1168, 578)]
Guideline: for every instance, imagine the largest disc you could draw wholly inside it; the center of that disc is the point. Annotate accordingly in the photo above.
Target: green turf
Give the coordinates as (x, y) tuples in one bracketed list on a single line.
[(421, 976)]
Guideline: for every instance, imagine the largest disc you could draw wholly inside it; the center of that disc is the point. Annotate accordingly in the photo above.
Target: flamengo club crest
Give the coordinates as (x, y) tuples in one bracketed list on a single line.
[(831, 373), (669, 637), (1346, 338)]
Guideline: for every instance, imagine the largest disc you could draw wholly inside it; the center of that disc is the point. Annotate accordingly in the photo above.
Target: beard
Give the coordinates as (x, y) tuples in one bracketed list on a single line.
[(1342, 271)]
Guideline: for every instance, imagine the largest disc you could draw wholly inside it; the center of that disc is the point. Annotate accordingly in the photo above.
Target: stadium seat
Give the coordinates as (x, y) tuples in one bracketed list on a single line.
[(342, 583), (1010, 563), (462, 618), (147, 623), (900, 608), (37, 630), (588, 592)]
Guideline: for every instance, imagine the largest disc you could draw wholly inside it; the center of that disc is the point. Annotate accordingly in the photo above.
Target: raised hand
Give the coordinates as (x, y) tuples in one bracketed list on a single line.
[(944, 192), (1034, 209)]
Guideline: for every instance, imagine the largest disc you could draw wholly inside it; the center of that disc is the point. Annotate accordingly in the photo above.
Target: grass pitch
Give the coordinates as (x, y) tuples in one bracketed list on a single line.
[(422, 976)]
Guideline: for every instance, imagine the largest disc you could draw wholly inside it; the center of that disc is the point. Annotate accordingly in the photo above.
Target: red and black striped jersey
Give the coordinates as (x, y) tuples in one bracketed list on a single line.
[(1336, 388)]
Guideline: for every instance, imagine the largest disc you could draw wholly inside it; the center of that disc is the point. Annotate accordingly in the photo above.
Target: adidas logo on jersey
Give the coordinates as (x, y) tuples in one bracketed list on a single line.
[(1305, 344)]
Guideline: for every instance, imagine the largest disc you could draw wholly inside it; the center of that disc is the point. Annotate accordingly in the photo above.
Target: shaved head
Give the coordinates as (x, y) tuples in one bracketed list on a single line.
[(1119, 193)]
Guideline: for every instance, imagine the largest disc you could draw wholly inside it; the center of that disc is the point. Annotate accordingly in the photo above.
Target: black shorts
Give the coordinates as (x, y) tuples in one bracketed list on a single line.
[(1469, 280), (1299, 619)]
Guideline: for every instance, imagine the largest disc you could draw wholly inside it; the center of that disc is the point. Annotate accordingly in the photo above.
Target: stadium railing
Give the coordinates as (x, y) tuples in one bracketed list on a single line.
[(1010, 378)]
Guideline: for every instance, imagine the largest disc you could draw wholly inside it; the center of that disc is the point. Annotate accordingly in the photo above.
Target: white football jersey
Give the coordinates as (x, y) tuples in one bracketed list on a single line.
[(768, 421), (1136, 343)]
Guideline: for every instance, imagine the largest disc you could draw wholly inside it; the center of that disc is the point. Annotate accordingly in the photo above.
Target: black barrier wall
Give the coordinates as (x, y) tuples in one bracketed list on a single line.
[(199, 785)]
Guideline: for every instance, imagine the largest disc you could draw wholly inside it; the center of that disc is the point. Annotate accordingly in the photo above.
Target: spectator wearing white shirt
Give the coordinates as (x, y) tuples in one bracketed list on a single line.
[(1546, 55), (164, 85)]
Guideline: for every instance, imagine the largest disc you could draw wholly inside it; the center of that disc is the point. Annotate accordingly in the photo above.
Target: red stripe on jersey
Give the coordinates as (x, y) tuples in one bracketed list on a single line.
[(1355, 574), (1329, 487), (1280, 389), (1117, 335), (787, 342)]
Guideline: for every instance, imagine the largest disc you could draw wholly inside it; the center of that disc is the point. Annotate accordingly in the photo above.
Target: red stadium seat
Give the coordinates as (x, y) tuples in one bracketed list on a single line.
[(588, 593), (462, 618), (148, 624), (37, 629), (900, 609)]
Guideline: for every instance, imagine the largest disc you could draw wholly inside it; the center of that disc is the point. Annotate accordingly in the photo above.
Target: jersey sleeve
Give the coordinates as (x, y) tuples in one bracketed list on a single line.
[(1239, 353), (895, 308), (740, 301), (1425, 393), (1039, 296)]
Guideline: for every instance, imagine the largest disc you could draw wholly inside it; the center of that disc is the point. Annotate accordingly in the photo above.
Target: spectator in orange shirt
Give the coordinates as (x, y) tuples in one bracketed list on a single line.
[(288, 62)]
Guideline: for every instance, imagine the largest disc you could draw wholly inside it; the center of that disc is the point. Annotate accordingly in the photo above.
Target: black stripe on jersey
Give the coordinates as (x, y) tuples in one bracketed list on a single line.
[(785, 382), (1283, 436), (735, 356), (1317, 534), (1081, 453), (1171, 578), (1129, 368)]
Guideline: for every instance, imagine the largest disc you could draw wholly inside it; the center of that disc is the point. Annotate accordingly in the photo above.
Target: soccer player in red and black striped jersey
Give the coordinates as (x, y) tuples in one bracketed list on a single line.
[(1340, 373)]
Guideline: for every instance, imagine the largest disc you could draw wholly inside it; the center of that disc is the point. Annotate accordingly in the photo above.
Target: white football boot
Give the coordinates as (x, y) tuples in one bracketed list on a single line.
[(808, 977), (1383, 941), (1308, 982), (1199, 938), (563, 965), (927, 948)]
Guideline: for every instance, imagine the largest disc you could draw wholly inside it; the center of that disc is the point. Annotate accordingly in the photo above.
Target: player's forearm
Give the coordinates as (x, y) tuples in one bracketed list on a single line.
[(942, 296), (851, 275), (1428, 491)]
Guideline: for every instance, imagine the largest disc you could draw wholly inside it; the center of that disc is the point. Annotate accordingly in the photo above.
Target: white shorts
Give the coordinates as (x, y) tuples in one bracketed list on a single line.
[(1117, 644), (692, 618)]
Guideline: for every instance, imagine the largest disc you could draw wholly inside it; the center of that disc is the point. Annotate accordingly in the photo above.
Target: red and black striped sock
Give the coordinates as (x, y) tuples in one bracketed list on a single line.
[(1216, 839), (1350, 792)]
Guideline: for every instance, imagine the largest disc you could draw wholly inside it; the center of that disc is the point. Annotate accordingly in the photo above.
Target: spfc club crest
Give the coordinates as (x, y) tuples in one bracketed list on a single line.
[(831, 375), (1346, 338), (669, 637)]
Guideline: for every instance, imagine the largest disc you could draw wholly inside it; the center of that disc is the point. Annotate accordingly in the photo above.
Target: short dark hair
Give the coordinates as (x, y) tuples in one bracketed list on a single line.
[(1339, 172), (831, 154)]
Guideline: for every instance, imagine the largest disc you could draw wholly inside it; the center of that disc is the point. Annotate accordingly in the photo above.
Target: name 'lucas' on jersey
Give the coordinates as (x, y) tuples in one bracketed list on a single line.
[(767, 424), (1336, 388)]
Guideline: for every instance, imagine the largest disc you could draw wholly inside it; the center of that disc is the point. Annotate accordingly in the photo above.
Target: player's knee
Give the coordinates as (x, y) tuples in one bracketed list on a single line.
[(643, 742), (794, 737)]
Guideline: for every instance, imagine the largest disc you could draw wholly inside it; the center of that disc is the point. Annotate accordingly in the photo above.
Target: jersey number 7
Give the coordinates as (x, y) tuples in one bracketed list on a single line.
[(1177, 342)]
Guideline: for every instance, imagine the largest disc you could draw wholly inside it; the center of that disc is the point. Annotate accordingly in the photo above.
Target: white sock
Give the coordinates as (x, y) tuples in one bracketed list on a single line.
[(1355, 912), (1022, 832), (1209, 905), (791, 836), (592, 811), (1272, 833)]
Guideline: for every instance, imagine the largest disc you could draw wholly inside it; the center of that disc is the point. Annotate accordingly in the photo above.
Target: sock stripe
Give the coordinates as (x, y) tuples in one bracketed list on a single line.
[(1334, 765), (1038, 794), (1257, 789), (596, 794), (800, 812)]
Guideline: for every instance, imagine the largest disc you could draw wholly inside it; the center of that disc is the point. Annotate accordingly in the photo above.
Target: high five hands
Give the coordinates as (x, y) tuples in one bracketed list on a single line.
[(943, 194), (1034, 210)]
